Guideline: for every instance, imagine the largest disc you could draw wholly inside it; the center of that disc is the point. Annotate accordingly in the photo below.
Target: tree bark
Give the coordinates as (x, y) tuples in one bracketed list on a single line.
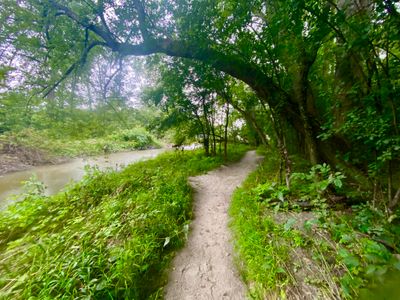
[(226, 132), (283, 152), (253, 122), (232, 64), (395, 201), (206, 139)]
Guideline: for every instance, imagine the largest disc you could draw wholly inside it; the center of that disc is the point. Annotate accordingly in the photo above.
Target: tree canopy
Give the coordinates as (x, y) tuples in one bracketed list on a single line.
[(323, 74), (316, 82)]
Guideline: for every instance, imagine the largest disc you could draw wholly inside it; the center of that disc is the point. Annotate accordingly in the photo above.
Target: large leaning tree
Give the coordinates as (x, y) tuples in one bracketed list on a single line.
[(311, 62)]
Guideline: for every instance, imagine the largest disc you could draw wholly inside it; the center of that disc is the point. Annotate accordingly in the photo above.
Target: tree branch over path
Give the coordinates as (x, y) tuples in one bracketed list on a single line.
[(230, 64), (102, 33), (265, 86), (81, 61)]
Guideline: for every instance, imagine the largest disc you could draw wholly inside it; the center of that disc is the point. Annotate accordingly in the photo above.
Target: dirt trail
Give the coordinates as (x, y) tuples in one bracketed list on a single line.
[(204, 269)]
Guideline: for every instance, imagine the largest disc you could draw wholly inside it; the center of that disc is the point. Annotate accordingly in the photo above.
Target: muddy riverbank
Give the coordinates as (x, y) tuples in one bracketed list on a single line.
[(56, 176), (17, 158)]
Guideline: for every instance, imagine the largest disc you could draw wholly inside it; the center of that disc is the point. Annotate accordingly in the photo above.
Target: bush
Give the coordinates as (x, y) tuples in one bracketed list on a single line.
[(110, 236), (133, 139), (139, 138)]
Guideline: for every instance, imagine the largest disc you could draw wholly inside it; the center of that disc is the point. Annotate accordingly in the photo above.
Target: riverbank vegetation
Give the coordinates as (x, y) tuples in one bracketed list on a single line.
[(315, 82), (295, 242), (29, 147), (110, 236), (55, 147), (46, 134)]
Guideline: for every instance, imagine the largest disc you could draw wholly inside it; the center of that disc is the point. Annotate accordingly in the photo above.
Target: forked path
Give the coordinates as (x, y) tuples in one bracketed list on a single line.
[(204, 269)]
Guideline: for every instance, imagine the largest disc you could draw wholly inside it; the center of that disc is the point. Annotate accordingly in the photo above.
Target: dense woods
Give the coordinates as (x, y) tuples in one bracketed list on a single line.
[(316, 82), (320, 76)]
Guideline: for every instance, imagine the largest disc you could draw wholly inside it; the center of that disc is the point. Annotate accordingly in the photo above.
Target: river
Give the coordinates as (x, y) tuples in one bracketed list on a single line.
[(55, 177)]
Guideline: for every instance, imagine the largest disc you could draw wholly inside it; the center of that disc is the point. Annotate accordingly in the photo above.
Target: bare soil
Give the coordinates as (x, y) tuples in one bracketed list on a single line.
[(16, 158), (311, 279), (204, 269)]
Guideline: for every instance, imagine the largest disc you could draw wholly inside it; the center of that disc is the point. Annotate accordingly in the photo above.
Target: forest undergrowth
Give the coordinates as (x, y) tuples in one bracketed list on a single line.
[(110, 236), (297, 244), (28, 147)]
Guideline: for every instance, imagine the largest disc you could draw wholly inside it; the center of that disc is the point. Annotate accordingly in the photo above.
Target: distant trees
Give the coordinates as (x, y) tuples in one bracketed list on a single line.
[(325, 73), (189, 104)]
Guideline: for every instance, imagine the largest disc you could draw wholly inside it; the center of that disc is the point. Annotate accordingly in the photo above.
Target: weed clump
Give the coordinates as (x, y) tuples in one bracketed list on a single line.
[(110, 236), (295, 241)]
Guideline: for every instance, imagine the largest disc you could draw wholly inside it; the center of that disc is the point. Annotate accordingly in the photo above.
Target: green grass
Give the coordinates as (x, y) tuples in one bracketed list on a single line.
[(258, 239), (333, 254), (123, 140), (111, 236)]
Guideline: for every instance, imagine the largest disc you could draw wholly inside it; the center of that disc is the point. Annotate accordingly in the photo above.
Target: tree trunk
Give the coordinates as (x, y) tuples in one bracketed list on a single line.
[(395, 201), (207, 128), (248, 116), (214, 142), (206, 145), (283, 152), (226, 132), (300, 93), (232, 64)]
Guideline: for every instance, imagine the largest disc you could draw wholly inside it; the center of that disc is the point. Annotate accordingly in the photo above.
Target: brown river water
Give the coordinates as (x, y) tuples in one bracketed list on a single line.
[(55, 177)]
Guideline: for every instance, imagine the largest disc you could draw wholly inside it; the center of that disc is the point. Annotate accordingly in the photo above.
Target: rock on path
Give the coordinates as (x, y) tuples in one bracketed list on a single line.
[(204, 269)]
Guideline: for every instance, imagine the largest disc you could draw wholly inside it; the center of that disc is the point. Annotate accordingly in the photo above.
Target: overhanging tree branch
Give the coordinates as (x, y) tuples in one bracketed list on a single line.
[(106, 36), (230, 64), (81, 61), (142, 19)]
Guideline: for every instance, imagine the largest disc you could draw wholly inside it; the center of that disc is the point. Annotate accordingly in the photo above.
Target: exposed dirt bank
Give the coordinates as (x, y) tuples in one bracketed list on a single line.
[(204, 269), (16, 158)]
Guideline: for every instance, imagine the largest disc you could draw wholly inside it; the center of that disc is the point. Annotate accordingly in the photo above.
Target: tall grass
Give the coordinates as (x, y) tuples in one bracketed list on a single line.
[(111, 236), (325, 253), (123, 140), (258, 239)]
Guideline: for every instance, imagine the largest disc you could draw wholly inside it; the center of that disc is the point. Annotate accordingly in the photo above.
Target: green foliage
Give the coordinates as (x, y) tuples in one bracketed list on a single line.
[(133, 139), (14, 115), (139, 138), (364, 243), (337, 64), (353, 249), (308, 63), (110, 236), (258, 240), (33, 187), (313, 186), (375, 132), (321, 176), (271, 191)]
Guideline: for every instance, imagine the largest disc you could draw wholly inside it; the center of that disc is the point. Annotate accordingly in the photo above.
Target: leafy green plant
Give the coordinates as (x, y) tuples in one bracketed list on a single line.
[(312, 186), (272, 194), (33, 187), (139, 138), (319, 179), (110, 236), (30, 140), (352, 248)]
